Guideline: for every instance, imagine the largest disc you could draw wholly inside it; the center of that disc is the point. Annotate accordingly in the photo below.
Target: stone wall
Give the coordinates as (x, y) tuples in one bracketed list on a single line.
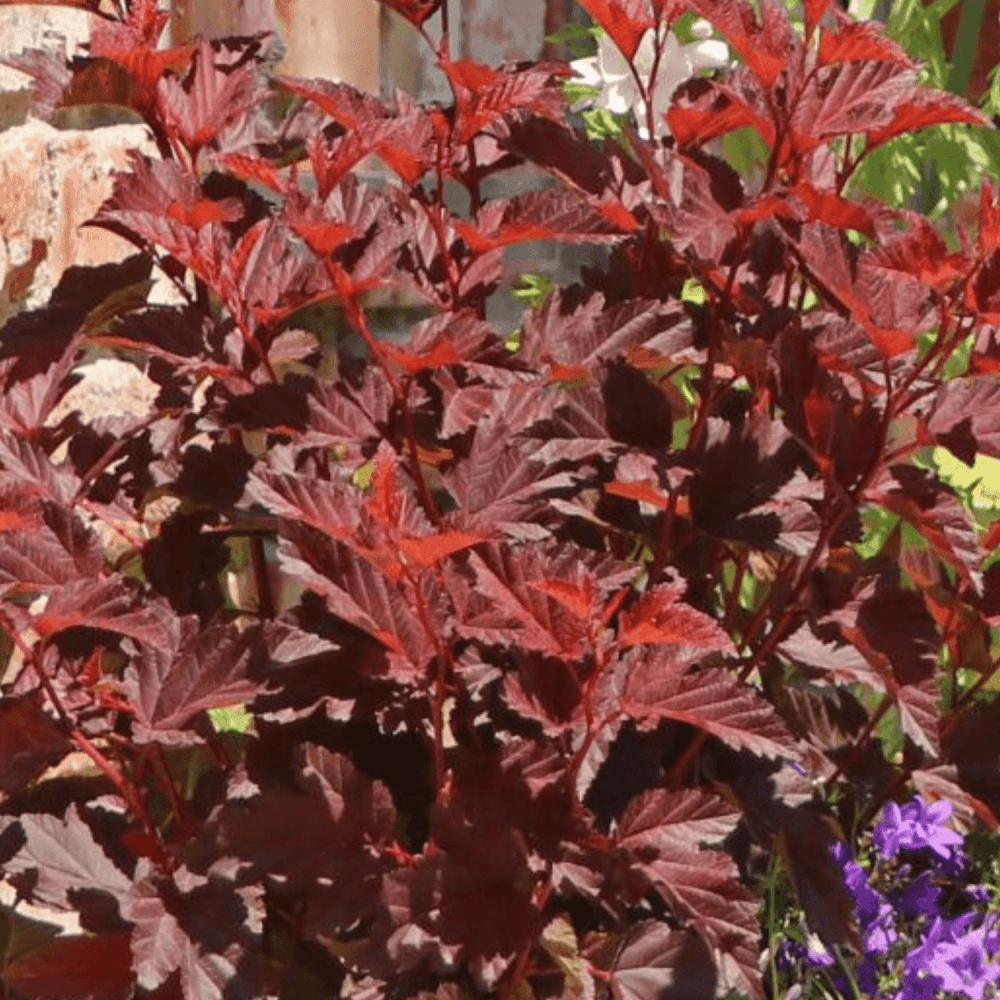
[(52, 181)]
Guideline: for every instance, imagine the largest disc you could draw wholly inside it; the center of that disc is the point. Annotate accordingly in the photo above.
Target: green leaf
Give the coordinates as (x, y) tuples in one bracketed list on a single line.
[(980, 484), (559, 940), (879, 524), (600, 124), (231, 720), (693, 292), (533, 289), (574, 90), (578, 40)]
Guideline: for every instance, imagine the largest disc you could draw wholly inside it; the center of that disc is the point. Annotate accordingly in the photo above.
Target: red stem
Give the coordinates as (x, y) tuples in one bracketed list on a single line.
[(167, 782), (443, 666), (128, 791), (423, 490), (258, 561), (400, 393), (789, 615), (433, 213), (520, 966), (734, 595), (663, 542), (117, 446)]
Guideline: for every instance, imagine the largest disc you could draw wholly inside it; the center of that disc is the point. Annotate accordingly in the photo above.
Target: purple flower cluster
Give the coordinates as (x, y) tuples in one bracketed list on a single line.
[(914, 947)]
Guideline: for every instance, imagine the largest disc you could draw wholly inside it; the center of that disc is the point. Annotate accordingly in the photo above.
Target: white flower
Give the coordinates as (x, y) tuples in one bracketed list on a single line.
[(619, 91)]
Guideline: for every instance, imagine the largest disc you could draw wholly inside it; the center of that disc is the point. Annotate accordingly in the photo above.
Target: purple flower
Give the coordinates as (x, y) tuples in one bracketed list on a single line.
[(868, 902), (788, 953), (867, 975), (918, 897), (878, 935), (814, 954), (949, 956), (915, 827), (917, 986), (960, 962), (817, 954)]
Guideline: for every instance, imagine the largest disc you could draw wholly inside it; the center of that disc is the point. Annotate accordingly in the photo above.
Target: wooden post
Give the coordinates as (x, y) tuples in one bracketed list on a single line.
[(334, 39)]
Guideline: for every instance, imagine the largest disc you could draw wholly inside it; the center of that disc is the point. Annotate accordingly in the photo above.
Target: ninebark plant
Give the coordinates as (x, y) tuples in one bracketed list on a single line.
[(537, 624)]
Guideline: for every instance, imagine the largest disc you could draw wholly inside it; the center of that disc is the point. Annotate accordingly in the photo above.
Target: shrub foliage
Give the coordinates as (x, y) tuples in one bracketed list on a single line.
[(527, 631)]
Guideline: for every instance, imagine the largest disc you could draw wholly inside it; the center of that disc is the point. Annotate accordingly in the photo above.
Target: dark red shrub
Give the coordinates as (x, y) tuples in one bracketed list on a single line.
[(528, 631)]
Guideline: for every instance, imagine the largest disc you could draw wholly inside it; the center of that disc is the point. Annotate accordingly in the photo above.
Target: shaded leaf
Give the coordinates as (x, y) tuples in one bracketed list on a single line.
[(663, 831), (659, 961), (74, 968), (29, 742), (170, 683), (60, 857)]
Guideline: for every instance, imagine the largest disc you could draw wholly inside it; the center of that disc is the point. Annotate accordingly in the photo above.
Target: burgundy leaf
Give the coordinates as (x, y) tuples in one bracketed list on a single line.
[(777, 809), (964, 417), (49, 75), (333, 824), (253, 169), (401, 136), (841, 95), (582, 328), (936, 514), (894, 622), (484, 95), (920, 253), (663, 831), (348, 416), (189, 671), (201, 106), (357, 591), (206, 930), (467, 895), (498, 485), (774, 510), (329, 506), (158, 942), (921, 108), (860, 41), (659, 617), (545, 215), (511, 601), (139, 208), (29, 742), (839, 662), (60, 857), (74, 968), (972, 743), (658, 961), (768, 47), (709, 699), (941, 782), (919, 715), (45, 340), (111, 605), (44, 545)]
